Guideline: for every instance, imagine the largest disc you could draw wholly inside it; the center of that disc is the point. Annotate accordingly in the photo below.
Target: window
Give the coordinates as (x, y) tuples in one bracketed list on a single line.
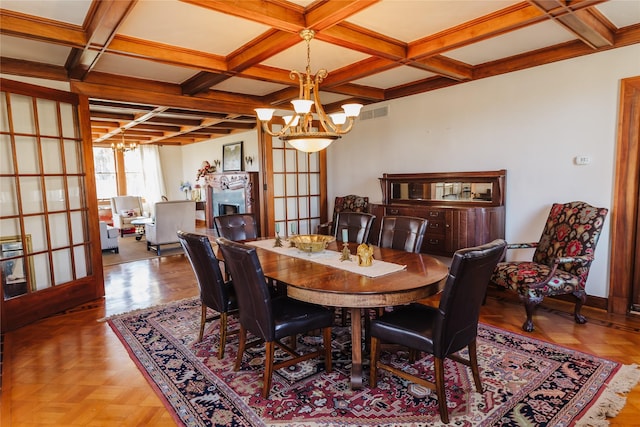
[(133, 172), (105, 165)]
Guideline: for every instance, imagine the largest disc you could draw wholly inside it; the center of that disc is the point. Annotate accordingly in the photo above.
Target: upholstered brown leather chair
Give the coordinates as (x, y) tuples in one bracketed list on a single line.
[(561, 260), (444, 330), (236, 227), (358, 225), (215, 293), (271, 318), (350, 203), (404, 233)]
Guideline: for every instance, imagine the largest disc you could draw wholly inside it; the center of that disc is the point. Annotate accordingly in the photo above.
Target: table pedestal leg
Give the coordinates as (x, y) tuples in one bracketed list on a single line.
[(356, 349)]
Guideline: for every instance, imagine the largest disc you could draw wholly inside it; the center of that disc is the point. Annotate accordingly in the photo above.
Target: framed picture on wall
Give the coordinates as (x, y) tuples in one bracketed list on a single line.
[(232, 157)]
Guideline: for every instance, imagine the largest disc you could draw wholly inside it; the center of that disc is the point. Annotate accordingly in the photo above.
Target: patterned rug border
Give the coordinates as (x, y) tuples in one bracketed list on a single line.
[(607, 403)]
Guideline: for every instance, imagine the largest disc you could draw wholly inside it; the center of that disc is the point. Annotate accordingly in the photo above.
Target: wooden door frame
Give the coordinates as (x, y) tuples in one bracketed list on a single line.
[(625, 212)]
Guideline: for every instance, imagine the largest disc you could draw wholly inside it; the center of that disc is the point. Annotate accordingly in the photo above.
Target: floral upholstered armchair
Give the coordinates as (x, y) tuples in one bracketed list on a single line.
[(350, 203), (561, 260)]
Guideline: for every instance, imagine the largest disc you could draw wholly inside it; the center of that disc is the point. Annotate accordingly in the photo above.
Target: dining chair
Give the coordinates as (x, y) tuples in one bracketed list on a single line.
[(350, 203), (561, 260), (271, 318), (357, 224), (404, 233), (236, 226), (445, 330), (215, 292)]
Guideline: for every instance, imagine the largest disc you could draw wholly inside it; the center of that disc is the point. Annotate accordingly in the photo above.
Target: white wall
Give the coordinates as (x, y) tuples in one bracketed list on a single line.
[(531, 122), (182, 163)]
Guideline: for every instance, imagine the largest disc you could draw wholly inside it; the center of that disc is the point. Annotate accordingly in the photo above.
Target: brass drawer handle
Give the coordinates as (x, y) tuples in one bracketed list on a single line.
[(393, 211), (434, 214), (434, 241)]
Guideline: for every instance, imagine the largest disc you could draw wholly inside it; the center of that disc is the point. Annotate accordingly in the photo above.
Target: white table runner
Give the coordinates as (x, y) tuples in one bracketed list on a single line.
[(332, 259)]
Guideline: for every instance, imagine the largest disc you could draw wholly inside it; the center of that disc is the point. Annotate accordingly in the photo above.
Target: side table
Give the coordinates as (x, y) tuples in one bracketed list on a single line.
[(139, 223)]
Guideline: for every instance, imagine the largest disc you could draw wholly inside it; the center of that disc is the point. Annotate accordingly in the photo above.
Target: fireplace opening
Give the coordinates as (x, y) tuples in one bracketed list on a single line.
[(228, 209)]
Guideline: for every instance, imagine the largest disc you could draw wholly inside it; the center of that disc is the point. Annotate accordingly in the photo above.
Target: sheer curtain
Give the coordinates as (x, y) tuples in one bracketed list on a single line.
[(154, 187)]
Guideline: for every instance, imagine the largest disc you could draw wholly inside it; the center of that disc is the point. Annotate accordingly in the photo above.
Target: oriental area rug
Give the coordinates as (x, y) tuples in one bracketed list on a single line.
[(526, 382)]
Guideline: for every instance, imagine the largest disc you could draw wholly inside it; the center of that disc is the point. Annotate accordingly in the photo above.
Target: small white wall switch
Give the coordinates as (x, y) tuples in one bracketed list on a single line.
[(582, 160)]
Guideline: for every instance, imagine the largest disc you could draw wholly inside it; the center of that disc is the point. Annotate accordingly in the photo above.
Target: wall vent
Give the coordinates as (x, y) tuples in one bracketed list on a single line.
[(375, 113)]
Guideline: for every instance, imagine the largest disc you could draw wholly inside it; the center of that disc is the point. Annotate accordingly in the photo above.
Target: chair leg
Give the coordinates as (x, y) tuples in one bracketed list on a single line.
[(529, 306), (268, 368), (203, 320), (442, 395), (374, 356), (473, 361), (326, 342), (582, 299), (223, 335), (242, 342)]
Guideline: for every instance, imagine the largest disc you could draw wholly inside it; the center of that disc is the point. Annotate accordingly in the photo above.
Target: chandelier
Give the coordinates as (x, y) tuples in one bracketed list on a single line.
[(298, 129), (122, 146)]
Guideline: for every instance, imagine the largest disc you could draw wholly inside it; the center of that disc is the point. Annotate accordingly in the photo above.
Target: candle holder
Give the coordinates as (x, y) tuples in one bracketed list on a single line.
[(346, 254), (278, 242)]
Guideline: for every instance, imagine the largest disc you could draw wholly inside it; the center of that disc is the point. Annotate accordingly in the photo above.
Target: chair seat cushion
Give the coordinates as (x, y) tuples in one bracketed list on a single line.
[(411, 325), (292, 316), (520, 276)]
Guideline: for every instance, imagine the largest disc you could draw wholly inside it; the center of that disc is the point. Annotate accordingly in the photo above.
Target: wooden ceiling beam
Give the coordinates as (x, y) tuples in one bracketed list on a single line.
[(261, 48), (273, 14), (588, 25), (103, 23), (323, 15), (445, 67), (20, 67), (362, 40), (35, 28)]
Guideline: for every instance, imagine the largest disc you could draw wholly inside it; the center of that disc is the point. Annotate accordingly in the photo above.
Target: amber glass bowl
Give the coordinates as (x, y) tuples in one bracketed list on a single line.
[(311, 242)]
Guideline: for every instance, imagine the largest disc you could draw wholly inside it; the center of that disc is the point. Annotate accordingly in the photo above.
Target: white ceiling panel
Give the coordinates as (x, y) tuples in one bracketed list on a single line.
[(29, 50), (525, 40), (394, 77), (143, 69), (410, 20), (69, 11), (333, 57), (621, 12), (197, 28), (248, 86)]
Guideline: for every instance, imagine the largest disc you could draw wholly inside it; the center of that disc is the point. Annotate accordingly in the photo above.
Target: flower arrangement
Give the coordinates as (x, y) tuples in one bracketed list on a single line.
[(186, 187), (205, 168)]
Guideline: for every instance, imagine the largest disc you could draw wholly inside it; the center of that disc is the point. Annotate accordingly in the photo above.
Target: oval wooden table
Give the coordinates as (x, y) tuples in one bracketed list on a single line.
[(329, 286)]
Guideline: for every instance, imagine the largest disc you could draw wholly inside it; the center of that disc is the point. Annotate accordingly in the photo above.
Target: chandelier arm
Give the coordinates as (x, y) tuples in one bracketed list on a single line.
[(325, 120), (347, 127)]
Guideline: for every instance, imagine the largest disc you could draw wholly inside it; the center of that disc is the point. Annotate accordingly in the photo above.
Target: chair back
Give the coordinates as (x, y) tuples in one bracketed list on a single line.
[(572, 229), (350, 203), (464, 291), (254, 299), (213, 289), (404, 233), (358, 225), (236, 226)]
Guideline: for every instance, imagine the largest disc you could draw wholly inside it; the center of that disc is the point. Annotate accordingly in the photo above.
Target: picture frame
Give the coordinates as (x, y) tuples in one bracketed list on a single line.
[(232, 155), (14, 265)]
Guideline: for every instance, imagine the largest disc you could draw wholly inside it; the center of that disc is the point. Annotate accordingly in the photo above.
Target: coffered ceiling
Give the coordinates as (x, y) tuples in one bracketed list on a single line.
[(177, 72)]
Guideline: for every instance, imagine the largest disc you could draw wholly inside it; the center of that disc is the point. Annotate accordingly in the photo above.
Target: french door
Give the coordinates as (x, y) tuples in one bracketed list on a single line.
[(49, 248), (296, 187)]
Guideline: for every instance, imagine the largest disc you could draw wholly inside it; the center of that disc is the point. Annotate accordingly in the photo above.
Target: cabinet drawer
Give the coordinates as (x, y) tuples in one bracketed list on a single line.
[(435, 228), (404, 211), (433, 244), (432, 215)]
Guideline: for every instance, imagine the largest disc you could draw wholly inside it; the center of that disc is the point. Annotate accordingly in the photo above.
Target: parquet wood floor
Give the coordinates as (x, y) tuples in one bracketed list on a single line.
[(71, 370)]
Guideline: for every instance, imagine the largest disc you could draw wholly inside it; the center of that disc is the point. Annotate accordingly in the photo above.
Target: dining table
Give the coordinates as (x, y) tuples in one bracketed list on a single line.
[(395, 277)]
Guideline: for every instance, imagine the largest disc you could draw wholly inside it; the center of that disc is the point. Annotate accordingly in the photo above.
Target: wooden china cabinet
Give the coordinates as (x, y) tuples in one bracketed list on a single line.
[(463, 208)]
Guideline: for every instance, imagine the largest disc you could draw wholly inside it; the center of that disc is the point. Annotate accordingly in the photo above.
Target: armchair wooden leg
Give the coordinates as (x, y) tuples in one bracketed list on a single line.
[(529, 306), (582, 299), (242, 342), (268, 368), (442, 395)]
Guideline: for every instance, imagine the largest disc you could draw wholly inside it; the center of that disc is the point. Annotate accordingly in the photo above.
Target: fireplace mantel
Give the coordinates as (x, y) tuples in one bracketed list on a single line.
[(239, 189)]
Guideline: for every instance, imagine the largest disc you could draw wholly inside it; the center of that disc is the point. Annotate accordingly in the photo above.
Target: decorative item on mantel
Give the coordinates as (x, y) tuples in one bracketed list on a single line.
[(196, 195), (186, 187), (205, 169)]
